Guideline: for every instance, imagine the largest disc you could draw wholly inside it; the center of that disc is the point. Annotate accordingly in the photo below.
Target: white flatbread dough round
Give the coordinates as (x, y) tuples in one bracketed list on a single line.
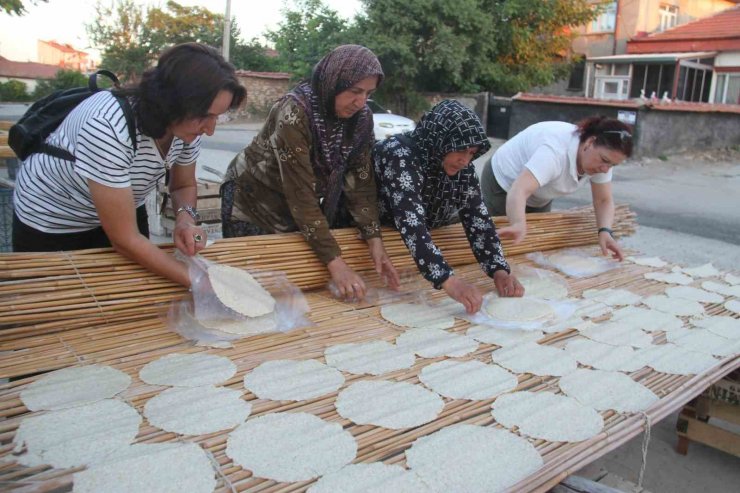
[(238, 290), (706, 270), (75, 386), (394, 405), (547, 416), (612, 297), (468, 458), (674, 306), (542, 284), (166, 467), (417, 316), (467, 379), (693, 294), (533, 358), (78, 436), (730, 278), (648, 261), (197, 410), (375, 477), (733, 306), (646, 319), (578, 265), (721, 325), (503, 337), (618, 334), (604, 390), (517, 309), (591, 309), (372, 358), (188, 370), (574, 322), (670, 277), (289, 447), (291, 380), (703, 341), (721, 288), (602, 356), (675, 360), (430, 343), (246, 327)]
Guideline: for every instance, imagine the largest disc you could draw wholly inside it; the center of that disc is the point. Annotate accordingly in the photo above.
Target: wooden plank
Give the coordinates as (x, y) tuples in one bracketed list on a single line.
[(5, 125), (713, 436), (6, 152), (3, 138), (579, 484)]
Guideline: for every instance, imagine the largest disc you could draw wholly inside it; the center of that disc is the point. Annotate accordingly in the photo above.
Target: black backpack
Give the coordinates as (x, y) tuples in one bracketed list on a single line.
[(28, 135)]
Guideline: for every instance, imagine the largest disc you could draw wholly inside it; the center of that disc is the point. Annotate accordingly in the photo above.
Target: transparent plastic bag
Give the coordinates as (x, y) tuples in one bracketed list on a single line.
[(204, 318), (378, 295), (540, 283), (574, 263)]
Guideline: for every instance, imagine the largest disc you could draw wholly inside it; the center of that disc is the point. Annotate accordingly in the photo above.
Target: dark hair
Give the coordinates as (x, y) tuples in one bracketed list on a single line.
[(608, 132), (184, 83)]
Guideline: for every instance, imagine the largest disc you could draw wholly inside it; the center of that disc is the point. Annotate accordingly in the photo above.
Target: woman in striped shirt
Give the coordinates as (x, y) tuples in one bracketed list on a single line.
[(97, 199)]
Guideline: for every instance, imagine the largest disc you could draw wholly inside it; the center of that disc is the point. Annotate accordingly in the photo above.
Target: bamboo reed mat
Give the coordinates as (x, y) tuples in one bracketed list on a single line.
[(129, 338)]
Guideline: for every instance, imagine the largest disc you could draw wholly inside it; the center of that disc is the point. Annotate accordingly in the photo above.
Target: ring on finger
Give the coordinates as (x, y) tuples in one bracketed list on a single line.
[(197, 237)]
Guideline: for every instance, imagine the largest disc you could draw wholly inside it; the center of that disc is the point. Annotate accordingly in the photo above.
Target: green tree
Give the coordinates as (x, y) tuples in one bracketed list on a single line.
[(16, 6), (307, 33), (177, 24), (117, 31), (470, 45), (253, 56), (64, 79), (13, 90)]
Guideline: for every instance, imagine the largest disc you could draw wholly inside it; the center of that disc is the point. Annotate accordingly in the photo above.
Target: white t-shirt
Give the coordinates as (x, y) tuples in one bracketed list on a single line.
[(548, 150), (52, 195)]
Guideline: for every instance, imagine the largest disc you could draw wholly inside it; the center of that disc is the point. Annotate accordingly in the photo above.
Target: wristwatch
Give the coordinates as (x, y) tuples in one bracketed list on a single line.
[(190, 210)]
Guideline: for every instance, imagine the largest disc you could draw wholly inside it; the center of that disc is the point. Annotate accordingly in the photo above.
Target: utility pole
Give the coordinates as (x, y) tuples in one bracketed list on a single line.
[(227, 31)]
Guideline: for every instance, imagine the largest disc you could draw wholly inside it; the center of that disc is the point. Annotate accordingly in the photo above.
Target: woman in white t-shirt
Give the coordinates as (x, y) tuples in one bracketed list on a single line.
[(96, 199), (553, 159)]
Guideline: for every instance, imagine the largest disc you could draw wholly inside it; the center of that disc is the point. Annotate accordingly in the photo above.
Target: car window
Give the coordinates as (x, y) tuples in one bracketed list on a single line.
[(375, 107)]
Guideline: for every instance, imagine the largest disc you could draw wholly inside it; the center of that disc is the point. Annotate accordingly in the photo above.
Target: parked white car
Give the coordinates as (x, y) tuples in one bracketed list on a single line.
[(386, 123)]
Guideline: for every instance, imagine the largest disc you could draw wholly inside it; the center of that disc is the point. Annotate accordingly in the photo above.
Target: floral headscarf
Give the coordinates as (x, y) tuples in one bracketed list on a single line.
[(448, 127), (336, 141)]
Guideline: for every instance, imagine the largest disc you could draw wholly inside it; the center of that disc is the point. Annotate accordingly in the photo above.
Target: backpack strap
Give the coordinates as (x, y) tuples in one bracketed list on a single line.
[(128, 112)]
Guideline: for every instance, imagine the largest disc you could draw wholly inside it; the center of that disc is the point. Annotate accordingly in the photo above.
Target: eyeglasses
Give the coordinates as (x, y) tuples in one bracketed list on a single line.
[(624, 135)]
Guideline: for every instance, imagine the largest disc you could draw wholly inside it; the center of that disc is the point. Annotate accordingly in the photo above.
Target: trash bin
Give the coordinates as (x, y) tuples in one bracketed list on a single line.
[(6, 219)]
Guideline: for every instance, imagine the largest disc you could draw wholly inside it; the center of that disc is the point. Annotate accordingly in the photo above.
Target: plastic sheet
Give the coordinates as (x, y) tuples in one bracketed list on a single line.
[(204, 318), (562, 309), (574, 263)]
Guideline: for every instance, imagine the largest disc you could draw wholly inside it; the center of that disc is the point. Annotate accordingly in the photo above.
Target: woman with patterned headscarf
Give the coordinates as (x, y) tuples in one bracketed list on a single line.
[(426, 178), (314, 150)]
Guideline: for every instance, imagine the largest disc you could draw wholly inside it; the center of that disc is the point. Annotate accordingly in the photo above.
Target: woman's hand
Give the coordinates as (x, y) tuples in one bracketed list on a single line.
[(383, 265), (188, 237), (350, 286), (507, 285), (464, 293), (609, 244), (514, 231)]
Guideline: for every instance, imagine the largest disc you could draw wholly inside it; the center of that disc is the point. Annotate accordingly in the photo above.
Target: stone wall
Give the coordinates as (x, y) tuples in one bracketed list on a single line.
[(263, 89), (477, 102)]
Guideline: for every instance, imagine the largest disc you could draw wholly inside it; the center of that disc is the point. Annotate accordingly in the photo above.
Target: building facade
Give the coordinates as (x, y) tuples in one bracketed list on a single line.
[(64, 56)]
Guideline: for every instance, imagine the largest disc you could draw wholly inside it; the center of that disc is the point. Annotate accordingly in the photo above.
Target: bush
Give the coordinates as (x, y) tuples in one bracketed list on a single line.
[(13, 90), (64, 79)]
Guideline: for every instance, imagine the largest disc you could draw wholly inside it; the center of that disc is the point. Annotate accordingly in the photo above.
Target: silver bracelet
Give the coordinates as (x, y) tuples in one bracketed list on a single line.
[(190, 210)]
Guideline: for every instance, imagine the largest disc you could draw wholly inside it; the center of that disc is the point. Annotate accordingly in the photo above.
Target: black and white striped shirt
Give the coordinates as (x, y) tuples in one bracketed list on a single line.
[(52, 195)]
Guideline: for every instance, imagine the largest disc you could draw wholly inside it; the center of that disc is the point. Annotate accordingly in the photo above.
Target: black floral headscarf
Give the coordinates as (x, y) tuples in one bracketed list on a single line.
[(336, 141), (448, 127)]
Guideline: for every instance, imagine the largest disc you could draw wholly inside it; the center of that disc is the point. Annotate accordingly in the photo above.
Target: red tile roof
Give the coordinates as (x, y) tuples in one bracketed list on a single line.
[(719, 32), (63, 47), (263, 75), (630, 103), (577, 100), (26, 70)]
